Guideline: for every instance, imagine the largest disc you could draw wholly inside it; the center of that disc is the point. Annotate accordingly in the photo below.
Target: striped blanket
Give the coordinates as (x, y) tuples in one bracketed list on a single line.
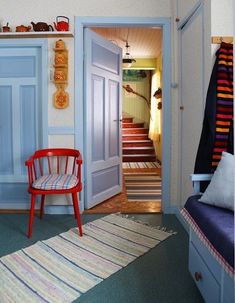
[(62, 268)]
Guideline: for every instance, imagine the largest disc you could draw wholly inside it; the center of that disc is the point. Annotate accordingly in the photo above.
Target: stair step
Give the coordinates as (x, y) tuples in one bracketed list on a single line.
[(137, 143), (135, 130), (132, 125), (138, 150), (132, 137), (127, 119), (138, 158)]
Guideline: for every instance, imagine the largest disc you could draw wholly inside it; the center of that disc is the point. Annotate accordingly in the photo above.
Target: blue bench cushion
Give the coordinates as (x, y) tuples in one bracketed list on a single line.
[(216, 223), (56, 181)]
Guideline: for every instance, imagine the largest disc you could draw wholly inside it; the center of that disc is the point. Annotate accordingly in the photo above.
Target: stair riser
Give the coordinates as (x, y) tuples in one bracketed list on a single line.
[(132, 125), (138, 151), (139, 159), (137, 144), (139, 137), (127, 120), (135, 131)]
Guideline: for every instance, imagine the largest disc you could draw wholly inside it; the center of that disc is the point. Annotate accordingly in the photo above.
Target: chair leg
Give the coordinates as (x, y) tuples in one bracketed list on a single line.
[(31, 216), (42, 206), (77, 212)]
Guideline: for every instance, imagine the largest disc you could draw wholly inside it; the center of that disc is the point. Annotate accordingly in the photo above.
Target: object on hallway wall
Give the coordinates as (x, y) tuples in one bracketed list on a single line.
[(133, 75), (158, 95), (23, 28), (6, 28), (130, 90), (219, 39), (61, 97), (42, 27), (61, 25)]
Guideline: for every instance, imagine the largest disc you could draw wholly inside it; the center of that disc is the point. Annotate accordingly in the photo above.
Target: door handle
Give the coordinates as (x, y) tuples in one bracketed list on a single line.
[(117, 120)]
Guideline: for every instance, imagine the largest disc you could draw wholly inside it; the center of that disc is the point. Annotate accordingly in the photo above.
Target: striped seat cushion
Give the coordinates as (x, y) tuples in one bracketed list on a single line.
[(56, 181)]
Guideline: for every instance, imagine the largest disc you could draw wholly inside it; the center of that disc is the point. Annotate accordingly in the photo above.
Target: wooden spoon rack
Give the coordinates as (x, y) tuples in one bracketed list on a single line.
[(61, 97)]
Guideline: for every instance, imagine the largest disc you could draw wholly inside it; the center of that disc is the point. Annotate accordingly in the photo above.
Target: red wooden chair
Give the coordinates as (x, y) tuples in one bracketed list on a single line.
[(54, 171)]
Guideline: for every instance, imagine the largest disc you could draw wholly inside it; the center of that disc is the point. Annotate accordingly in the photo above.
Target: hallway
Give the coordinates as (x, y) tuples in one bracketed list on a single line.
[(119, 203)]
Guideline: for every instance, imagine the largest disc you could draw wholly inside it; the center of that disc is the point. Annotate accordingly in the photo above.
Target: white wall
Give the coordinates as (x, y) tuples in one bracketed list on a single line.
[(24, 11), (134, 105), (222, 16)]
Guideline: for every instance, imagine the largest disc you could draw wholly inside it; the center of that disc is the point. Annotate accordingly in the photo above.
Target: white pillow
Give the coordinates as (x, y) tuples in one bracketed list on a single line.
[(220, 191)]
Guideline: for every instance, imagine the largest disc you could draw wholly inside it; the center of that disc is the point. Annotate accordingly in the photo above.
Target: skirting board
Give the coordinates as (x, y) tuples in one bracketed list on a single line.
[(49, 209)]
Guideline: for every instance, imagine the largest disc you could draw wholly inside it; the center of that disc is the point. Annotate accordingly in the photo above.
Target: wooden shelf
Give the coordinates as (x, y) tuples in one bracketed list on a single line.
[(12, 35)]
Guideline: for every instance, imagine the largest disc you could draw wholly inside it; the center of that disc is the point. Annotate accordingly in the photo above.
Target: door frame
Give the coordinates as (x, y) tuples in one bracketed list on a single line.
[(165, 24)]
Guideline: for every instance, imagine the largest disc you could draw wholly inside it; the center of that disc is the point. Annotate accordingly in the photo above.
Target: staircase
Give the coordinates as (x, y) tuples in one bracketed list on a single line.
[(136, 146)]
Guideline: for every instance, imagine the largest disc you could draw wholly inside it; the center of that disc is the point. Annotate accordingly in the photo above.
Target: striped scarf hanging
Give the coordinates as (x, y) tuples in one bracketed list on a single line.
[(224, 102), (217, 128)]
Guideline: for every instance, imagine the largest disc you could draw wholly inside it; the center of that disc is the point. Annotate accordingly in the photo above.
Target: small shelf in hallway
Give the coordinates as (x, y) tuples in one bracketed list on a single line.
[(136, 146)]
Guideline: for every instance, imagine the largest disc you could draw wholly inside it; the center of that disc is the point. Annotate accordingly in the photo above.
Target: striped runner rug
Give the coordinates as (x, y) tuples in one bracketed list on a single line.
[(64, 267), (141, 165), (143, 187)]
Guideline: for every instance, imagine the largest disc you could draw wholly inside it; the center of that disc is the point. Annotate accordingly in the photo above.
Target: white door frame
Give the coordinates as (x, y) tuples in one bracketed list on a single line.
[(164, 23)]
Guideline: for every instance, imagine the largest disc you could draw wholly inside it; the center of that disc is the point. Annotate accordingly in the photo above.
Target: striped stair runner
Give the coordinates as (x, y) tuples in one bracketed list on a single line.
[(141, 165), (143, 187), (136, 146)]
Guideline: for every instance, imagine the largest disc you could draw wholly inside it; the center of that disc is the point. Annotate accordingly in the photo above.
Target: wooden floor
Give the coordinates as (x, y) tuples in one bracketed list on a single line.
[(119, 202)]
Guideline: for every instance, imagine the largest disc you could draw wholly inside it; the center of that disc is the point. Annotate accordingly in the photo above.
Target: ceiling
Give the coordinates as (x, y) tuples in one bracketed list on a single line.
[(144, 42)]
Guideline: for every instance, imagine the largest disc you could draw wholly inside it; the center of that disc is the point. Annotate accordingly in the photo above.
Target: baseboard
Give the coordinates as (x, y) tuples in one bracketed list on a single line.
[(170, 209), (14, 205), (182, 221), (49, 209), (173, 209), (59, 210)]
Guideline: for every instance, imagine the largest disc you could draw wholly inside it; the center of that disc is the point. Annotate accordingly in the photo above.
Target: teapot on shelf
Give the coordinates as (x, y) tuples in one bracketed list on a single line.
[(62, 25), (23, 28), (6, 28), (42, 27)]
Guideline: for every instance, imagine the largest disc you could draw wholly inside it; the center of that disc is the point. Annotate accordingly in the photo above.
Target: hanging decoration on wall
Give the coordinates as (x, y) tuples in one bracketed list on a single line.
[(61, 97), (129, 89), (134, 75)]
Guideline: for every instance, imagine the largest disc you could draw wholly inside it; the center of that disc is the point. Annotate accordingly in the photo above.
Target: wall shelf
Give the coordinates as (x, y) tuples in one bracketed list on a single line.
[(13, 35)]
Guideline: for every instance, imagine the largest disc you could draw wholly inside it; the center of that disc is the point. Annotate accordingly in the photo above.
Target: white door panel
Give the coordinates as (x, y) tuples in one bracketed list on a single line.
[(103, 115), (192, 96)]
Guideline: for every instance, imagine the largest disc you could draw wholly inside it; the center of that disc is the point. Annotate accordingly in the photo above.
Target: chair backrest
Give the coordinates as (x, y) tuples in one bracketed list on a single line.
[(54, 161)]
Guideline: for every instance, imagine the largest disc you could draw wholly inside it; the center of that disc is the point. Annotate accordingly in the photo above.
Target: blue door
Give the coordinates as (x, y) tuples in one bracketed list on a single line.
[(102, 119), (19, 117)]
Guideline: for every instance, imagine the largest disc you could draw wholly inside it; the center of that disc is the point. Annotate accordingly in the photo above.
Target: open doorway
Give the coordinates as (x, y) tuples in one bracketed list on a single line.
[(141, 117), (164, 24)]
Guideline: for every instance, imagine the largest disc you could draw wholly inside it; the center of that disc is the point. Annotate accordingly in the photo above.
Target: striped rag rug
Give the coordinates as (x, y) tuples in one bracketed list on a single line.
[(143, 187), (64, 267), (141, 165)]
